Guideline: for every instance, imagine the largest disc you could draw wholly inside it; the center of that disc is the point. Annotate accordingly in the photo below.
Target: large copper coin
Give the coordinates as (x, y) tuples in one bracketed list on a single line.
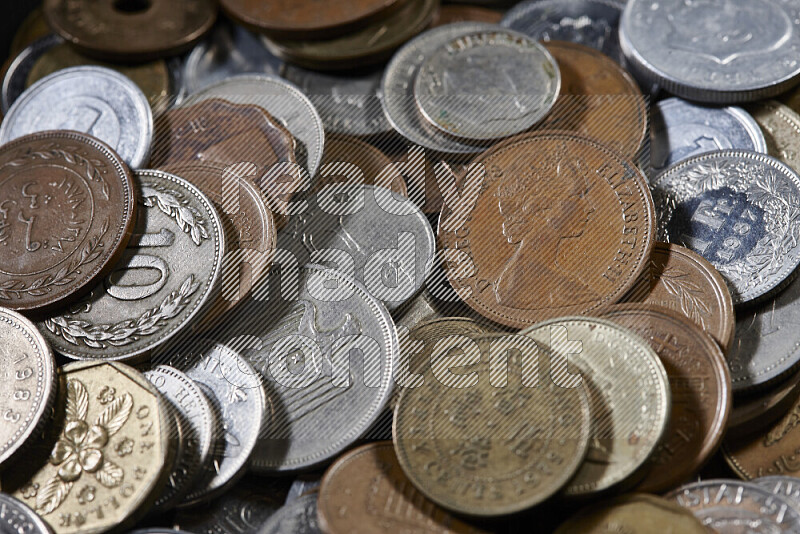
[(225, 134), (350, 160), (462, 13), (131, 30), (366, 491), (598, 98), (66, 215), (701, 391), (684, 281), (561, 225)]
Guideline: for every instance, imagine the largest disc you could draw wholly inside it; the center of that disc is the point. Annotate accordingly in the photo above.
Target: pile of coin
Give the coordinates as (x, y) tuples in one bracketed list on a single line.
[(391, 265)]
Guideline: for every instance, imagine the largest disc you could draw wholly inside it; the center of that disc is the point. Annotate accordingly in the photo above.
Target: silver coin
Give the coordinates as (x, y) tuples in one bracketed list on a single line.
[(348, 104), (397, 88), (297, 517), (196, 418), (486, 85), (735, 506), (89, 99), (27, 375), (236, 391), (16, 75), (737, 209), (282, 100), (157, 530), (321, 400), (381, 239), (680, 129), (593, 23), (17, 518), (169, 271), (230, 50), (724, 52), (785, 487), (303, 485)]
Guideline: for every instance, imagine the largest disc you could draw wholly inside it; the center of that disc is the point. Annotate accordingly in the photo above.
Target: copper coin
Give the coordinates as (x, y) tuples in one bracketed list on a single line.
[(366, 491), (372, 167), (66, 216), (755, 412), (462, 13), (33, 28), (429, 176), (598, 98), (684, 281), (701, 391), (308, 19), (131, 30), (561, 225), (219, 132)]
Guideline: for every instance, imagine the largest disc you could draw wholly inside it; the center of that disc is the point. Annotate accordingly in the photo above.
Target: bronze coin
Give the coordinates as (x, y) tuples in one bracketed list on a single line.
[(598, 99), (217, 131), (701, 391), (131, 30), (462, 13), (366, 491), (308, 19), (755, 412), (372, 167), (34, 27), (66, 216), (684, 281), (560, 225)]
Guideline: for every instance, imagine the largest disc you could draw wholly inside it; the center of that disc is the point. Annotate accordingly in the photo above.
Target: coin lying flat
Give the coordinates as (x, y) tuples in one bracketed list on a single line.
[(785, 487), (719, 52), (756, 411), (526, 247), (781, 126), (449, 14), (16, 75), (298, 516), (734, 208), (129, 30), (373, 166), (66, 215), (179, 240), (104, 456), (94, 100), (16, 516)]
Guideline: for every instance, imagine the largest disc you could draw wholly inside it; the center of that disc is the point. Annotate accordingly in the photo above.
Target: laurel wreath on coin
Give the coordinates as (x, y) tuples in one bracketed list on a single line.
[(678, 284), (172, 204), (71, 156)]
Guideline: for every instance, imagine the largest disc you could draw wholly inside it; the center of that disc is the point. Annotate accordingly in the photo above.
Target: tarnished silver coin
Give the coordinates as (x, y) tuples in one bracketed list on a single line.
[(297, 517), (593, 23), (487, 84), (230, 50), (680, 129), (187, 401), (17, 73), (28, 378), (282, 100), (89, 99), (785, 487), (381, 239), (235, 389), (17, 518), (397, 88), (723, 52), (168, 273), (734, 506), (739, 210)]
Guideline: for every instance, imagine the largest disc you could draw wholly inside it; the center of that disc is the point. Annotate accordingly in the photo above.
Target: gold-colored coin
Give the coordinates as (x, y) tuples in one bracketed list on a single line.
[(106, 453), (781, 127)]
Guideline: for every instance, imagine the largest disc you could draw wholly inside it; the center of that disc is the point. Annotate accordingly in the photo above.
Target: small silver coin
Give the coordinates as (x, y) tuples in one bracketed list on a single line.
[(680, 129), (737, 209), (487, 85), (734, 506), (27, 375), (17, 518), (593, 23), (383, 240), (196, 418), (169, 271), (17, 73), (89, 99), (282, 100), (785, 487), (297, 517), (230, 50), (397, 87), (722, 52)]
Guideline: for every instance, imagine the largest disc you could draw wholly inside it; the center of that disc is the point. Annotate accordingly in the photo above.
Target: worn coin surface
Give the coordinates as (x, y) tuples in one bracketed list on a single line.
[(700, 386), (372, 167), (131, 30), (16, 516), (15, 79), (687, 283), (781, 128), (735, 506), (487, 85), (449, 14), (179, 239), (298, 517), (104, 456), (738, 210), (629, 393), (524, 244), (719, 52), (90, 99), (66, 215), (680, 129)]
